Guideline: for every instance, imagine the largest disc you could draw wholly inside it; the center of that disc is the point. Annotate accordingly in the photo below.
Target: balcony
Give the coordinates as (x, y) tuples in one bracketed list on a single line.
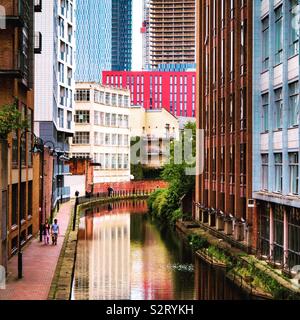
[(18, 13), (16, 67), (37, 5), (38, 43)]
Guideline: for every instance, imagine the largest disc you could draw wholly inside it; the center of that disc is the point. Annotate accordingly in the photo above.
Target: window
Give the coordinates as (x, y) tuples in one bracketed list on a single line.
[(120, 100), (231, 9), (82, 116), (107, 139), (113, 161), (15, 148), (231, 55), (264, 229), (114, 100), (107, 98), (265, 43), (278, 109), (14, 204), (107, 119), (294, 237), (126, 140), (81, 138), (119, 139), (29, 198), (69, 120), (96, 139), (125, 161), (264, 171), (120, 120), (243, 108), (82, 95), (126, 121), (294, 104), (278, 34), (265, 112), (102, 118), (294, 27), (126, 101), (61, 117), (278, 234), (243, 46), (120, 162), (96, 118), (114, 139), (107, 161), (278, 172), (294, 172), (113, 120)]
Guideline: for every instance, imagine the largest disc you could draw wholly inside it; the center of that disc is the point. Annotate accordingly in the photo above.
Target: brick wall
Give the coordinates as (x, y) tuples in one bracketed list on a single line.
[(131, 186)]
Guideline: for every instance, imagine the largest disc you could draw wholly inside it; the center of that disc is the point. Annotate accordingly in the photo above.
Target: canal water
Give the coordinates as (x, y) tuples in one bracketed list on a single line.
[(123, 254)]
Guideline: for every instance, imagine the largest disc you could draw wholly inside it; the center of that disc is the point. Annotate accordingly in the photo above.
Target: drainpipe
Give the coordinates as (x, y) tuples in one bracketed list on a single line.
[(285, 237), (271, 232)]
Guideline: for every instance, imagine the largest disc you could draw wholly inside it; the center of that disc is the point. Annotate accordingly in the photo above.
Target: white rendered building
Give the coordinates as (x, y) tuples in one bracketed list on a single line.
[(54, 80), (102, 130)]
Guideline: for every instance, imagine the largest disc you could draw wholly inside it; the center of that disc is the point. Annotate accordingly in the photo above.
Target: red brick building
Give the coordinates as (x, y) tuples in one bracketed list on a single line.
[(224, 57), (16, 88), (174, 91)]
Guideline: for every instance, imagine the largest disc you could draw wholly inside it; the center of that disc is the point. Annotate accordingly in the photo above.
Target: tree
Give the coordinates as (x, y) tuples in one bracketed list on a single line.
[(165, 203), (10, 120)]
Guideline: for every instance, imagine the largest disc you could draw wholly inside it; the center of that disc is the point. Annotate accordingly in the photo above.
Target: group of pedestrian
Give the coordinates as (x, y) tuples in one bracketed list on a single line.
[(50, 230)]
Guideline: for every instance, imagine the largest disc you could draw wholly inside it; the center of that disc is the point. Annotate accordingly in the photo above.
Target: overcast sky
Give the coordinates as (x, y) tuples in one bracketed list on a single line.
[(137, 19)]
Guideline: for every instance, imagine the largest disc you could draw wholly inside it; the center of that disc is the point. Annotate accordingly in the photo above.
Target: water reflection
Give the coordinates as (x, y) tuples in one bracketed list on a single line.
[(212, 284), (122, 254)]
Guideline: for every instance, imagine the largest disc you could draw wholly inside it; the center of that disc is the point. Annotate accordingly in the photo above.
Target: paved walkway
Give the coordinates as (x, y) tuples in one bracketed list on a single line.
[(39, 264)]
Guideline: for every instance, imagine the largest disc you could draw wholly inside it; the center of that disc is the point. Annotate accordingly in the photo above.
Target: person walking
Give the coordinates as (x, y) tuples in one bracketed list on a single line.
[(55, 232), (46, 232)]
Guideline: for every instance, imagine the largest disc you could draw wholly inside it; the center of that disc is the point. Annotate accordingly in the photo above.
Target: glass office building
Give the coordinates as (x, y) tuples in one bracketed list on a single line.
[(104, 34)]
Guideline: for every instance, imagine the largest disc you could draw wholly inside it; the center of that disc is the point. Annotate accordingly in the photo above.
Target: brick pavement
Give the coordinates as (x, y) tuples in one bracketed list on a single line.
[(39, 264)]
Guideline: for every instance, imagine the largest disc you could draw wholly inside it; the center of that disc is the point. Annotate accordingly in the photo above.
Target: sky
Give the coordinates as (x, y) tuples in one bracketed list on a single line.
[(137, 19)]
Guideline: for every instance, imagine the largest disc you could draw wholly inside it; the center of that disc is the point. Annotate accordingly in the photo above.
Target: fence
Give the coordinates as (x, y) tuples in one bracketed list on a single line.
[(89, 197)]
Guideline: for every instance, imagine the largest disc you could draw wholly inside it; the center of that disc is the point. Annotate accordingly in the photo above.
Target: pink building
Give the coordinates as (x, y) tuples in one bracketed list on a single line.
[(174, 91)]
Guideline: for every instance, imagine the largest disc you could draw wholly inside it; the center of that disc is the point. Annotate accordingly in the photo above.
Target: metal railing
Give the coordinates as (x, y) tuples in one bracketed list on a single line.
[(90, 197)]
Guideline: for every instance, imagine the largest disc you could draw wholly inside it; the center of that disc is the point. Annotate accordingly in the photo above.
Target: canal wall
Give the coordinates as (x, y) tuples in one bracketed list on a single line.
[(131, 186), (61, 288), (254, 276)]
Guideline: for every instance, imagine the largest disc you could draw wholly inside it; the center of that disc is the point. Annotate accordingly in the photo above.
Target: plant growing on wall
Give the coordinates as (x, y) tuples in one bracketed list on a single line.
[(10, 120)]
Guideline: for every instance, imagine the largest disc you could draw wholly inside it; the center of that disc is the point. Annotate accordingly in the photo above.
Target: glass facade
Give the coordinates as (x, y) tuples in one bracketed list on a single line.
[(103, 37)]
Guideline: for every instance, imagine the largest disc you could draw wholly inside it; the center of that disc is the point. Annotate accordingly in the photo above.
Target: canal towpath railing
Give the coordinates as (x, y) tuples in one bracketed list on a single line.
[(116, 194)]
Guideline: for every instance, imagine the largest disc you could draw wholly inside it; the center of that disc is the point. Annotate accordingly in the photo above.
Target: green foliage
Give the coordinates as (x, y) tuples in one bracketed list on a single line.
[(197, 242), (137, 171), (177, 214), (10, 120), (261, 279), (218, 254), (166, 206)]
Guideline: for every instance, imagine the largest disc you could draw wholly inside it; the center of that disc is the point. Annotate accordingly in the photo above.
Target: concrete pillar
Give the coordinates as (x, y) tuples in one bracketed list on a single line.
[(249, 235), (212, 219), (239, 231), (228, 227), (3, 201), (204, 216), (271, 231), (285, 236), (220, 223)]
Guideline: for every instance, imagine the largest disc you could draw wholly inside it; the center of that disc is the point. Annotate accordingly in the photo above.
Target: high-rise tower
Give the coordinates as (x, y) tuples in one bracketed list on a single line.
[(172, 31), (103, 37)]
